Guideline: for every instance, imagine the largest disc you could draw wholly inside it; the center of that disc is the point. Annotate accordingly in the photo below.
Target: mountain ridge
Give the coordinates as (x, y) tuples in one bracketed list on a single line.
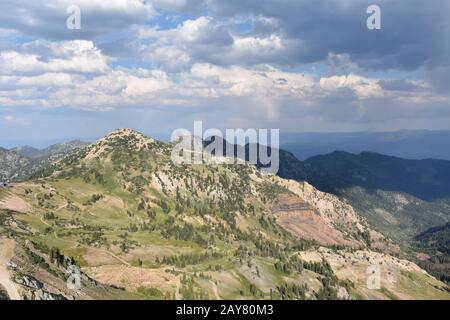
[(427, 179), (19, 163), (120, 208), (409, 144)]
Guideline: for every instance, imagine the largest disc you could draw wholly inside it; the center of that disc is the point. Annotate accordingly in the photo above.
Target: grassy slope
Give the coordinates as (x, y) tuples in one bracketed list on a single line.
[(119, 241)]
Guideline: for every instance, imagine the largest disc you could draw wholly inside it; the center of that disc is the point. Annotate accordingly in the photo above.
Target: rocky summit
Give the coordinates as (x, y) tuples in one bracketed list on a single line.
[(137, 226)]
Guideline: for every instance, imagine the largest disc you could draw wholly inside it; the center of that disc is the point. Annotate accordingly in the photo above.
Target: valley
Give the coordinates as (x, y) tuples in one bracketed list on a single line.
[(140, 227), (400, 198)]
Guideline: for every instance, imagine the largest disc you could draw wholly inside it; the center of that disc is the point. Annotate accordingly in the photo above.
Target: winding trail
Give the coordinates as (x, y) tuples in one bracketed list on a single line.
[(6, 253), (75, 243)]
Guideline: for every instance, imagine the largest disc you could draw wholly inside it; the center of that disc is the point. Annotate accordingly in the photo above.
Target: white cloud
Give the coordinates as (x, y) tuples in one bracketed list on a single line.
[(261, 86), (239, 81), (236, 57), (205, 40), (77, 56), (364, 88)]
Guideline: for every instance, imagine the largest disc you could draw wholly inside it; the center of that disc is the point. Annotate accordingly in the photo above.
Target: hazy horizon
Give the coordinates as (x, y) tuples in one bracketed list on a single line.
[(407, 144), (41, 144)]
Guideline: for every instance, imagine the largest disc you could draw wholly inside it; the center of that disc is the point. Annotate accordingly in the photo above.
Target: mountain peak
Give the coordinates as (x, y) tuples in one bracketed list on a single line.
[(137, 138), (125, 138), (124, 132), (26, 151)]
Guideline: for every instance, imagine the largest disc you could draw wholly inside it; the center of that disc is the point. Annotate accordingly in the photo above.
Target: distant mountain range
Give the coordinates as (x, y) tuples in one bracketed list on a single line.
[(19, 163), (140, 226), (401, 198), (408, 144), (408, 200), (53, 150), (424, 179)]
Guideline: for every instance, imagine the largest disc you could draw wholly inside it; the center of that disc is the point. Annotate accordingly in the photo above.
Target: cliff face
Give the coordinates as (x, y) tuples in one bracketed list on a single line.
[(131, 219)]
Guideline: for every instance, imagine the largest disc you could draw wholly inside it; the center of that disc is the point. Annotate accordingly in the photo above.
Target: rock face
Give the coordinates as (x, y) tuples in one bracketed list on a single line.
[(303, 221), (12, 166), (138, 221), (30, 282), (35, 290), (3, 293), (334, 212)]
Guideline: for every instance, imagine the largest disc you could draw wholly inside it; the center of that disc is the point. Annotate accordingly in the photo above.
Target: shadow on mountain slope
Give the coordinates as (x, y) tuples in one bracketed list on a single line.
[(425, 179)]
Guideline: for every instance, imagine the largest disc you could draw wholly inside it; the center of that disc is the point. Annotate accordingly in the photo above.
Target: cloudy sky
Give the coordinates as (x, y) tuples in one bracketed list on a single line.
[(157, 65)]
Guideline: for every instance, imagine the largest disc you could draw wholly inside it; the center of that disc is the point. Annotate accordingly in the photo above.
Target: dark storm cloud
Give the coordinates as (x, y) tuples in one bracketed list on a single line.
[(180, 5), (413, 32), (398, 85), (233, 62), (47, 19)]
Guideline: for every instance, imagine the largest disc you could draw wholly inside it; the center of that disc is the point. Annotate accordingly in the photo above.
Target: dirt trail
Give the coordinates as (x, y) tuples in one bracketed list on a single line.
[(6, 253), (93, 249), (55, 234)]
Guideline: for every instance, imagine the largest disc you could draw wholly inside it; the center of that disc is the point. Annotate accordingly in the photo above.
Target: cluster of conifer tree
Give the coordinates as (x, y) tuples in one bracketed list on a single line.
[(182, 261)]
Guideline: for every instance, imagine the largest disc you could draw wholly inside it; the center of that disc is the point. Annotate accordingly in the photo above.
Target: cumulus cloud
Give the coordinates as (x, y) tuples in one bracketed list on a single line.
[(411, 33), (263, 91), (46, 80), (205, 40), (290, 62), (363, 88), (78, 56)]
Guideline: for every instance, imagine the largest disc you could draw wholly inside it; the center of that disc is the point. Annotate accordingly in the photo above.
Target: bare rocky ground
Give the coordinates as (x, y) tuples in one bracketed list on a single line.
[(14, 203), (399, 279), (6, 254), (31, 275), (139, 227)]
